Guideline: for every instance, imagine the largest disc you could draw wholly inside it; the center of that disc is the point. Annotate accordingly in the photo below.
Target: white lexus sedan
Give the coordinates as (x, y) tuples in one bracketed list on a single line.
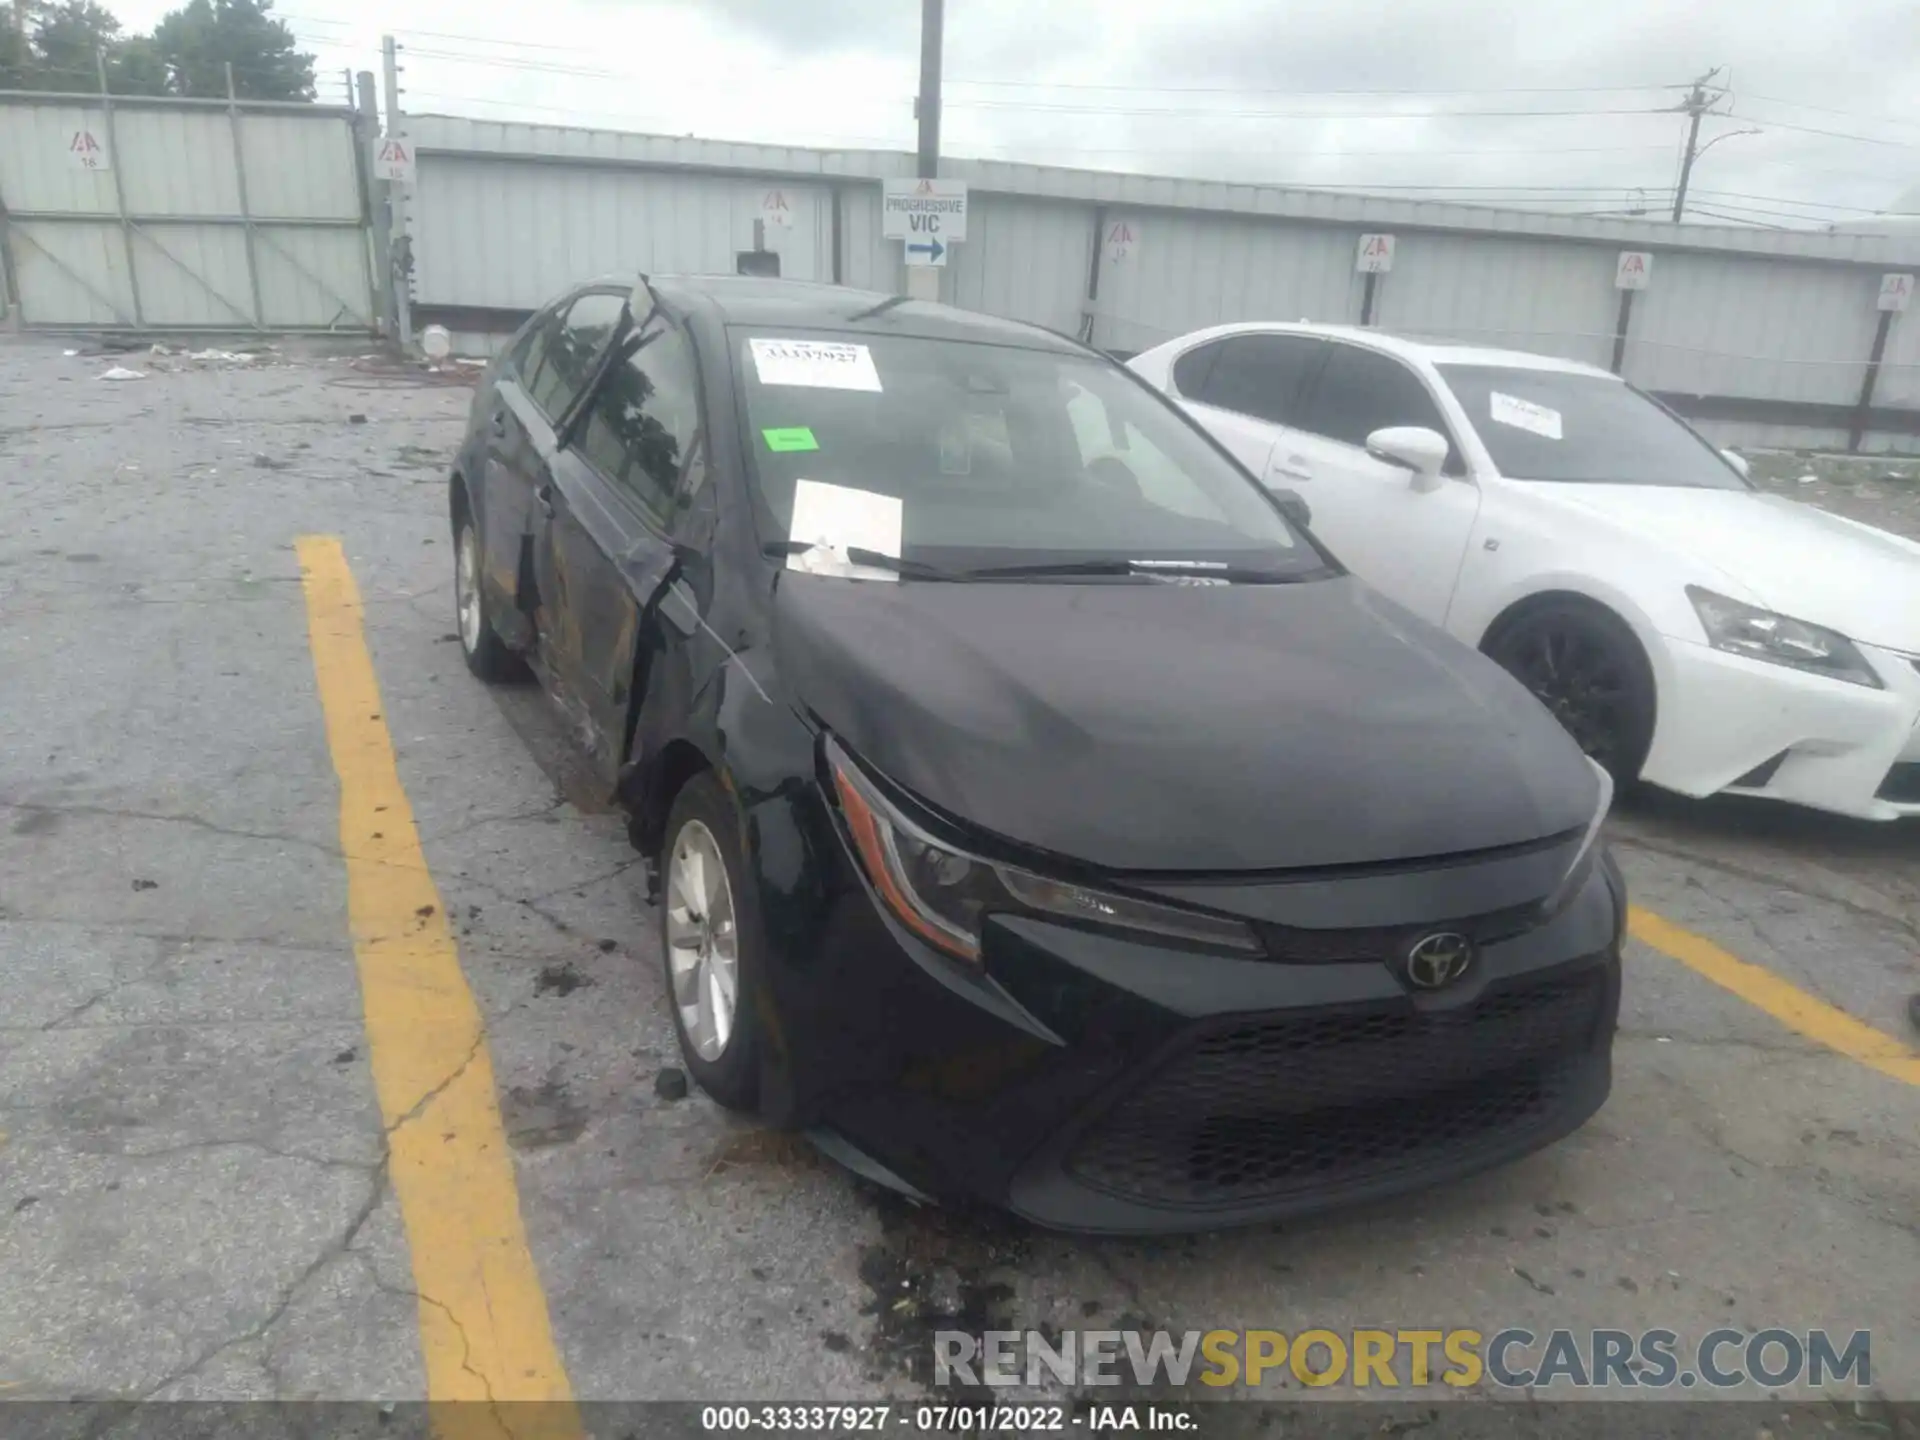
[(1687, 629)]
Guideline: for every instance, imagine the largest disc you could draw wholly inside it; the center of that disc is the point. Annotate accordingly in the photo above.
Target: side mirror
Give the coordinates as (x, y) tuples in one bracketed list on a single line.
[(1739, 462), (1294, 507), (1412, 447)]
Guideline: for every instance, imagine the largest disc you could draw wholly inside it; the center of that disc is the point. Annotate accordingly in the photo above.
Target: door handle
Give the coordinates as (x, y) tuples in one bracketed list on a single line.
[(497, 426), (1294, 467), (543, 497)]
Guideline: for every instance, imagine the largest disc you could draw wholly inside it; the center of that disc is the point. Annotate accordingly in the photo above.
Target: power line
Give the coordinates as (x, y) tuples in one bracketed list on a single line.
[(1831, 110), (1190, 114)]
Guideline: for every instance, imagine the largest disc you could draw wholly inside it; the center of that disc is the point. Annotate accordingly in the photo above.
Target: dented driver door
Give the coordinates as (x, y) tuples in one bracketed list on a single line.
[(605, 556)]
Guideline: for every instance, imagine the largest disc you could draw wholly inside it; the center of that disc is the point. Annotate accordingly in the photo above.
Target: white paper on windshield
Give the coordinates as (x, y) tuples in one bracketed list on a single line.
[(834, 519), (816, 364), (1524, 415)]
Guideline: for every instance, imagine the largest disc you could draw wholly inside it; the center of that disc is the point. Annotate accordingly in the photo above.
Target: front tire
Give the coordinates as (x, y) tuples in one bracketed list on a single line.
[(480, 645), (710, 941), (1584, 664)]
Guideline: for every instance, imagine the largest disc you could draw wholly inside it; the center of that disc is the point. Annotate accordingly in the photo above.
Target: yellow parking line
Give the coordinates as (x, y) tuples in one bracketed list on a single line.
[(1791, 1006), (484, 1328)]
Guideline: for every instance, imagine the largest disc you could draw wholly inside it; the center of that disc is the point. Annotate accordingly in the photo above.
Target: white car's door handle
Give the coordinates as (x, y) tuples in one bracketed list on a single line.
[(1293, 467)]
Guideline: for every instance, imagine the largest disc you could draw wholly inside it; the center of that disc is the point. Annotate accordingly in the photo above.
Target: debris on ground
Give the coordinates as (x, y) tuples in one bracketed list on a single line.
[(671, 1084), (561, 980), (121, 372), (267, 462), (356, 418)]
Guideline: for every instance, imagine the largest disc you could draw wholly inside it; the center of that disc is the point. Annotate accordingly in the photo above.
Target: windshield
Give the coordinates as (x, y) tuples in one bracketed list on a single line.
[(1560, 425), (993, 456)]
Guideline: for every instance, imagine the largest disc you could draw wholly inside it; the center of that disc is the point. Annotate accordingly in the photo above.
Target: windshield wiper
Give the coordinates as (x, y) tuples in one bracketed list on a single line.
[(1149, 569), (873, 559)]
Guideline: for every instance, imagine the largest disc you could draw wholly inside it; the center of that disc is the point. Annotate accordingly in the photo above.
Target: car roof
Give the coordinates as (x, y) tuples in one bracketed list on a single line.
[(811, 305), (1405, 346)]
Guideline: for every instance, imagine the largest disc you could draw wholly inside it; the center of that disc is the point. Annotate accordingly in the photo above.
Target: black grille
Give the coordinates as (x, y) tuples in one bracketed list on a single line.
[(1386, 943), (1288, 1104), (1902, 785)]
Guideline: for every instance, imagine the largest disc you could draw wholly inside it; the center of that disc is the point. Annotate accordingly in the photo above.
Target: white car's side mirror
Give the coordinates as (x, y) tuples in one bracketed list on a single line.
[(1412, 447), (1739, 462)]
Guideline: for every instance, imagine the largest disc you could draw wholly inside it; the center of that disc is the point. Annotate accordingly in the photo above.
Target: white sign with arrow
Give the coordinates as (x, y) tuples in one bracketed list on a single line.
[(923, 210), (1121, 238)]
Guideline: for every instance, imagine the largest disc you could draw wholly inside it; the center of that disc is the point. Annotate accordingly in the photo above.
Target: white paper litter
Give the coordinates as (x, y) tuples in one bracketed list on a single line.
[(817, 364), (69, 353), (120, 372), (1809, 479), (1523, 415), (834, 519)]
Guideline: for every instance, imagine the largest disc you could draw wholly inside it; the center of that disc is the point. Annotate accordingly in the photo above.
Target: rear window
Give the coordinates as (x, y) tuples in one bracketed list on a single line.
[(1582, 429), (996, 454)]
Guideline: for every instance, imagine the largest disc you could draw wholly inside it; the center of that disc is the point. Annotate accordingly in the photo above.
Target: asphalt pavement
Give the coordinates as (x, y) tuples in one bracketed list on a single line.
[(203, 1189)]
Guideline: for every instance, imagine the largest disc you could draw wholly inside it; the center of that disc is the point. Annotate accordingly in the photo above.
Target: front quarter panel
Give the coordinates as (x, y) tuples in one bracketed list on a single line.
[(1526, 542)]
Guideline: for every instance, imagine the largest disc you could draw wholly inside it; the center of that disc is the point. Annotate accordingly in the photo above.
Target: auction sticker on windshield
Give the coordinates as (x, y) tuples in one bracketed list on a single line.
[(816, 364), (834, 518), (1524, 415)]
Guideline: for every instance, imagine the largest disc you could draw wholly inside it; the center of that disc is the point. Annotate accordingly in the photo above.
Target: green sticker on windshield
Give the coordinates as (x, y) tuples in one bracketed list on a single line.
[(794, 437)]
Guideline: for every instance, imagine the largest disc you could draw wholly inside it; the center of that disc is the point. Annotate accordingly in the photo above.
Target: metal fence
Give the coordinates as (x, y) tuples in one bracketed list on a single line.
[(1763, 337), (177, 214), (169, 214)]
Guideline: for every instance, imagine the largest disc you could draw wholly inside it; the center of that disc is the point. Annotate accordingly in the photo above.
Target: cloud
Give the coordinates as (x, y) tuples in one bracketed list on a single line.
[(1236, 89)]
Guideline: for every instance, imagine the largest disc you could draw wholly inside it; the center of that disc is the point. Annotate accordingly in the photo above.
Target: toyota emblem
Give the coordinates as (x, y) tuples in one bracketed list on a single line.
[(1437, 960)]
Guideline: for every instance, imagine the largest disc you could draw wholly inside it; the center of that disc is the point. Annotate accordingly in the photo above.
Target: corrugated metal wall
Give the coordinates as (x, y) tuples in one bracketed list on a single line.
[(1754, 328), (162, 237)]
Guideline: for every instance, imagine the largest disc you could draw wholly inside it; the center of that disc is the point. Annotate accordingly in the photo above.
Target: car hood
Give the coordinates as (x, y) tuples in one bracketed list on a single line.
[(1789, 557), (1182, 728)]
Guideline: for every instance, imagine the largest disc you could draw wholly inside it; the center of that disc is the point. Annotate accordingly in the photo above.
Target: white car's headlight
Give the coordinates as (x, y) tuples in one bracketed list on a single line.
[(1762, 635), (1582, 865)]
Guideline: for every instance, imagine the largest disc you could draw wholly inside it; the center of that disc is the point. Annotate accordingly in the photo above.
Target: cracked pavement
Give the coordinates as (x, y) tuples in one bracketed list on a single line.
[(193, 1196)]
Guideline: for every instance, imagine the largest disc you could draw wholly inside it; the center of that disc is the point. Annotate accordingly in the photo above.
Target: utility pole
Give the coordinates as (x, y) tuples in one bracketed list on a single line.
[(923, 281), (1695, 105), (927, 108), (400, 258)]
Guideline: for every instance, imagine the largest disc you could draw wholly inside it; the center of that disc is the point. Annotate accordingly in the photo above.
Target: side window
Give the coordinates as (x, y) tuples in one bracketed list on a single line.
[(1260, 375), (644, 424), (1191, 370), (1361, 391), (570, 349), (524, 362)]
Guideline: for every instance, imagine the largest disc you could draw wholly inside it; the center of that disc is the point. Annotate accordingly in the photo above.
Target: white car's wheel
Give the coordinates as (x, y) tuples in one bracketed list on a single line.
[(1584, 664)]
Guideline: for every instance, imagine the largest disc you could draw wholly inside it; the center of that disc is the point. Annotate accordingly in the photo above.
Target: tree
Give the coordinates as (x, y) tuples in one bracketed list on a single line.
[(66, 37), (198, 41), (53, 45)]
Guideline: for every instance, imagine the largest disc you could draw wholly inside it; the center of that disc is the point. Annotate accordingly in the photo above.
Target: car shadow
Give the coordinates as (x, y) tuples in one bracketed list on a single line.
[(1787, 829)]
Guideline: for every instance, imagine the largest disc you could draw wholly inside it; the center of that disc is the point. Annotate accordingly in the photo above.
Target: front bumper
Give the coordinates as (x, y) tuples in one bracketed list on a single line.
[(1092, 1084), (1727, 723)]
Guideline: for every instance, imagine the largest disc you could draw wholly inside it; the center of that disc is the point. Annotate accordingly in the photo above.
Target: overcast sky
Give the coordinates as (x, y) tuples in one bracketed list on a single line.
[(1245, 89)]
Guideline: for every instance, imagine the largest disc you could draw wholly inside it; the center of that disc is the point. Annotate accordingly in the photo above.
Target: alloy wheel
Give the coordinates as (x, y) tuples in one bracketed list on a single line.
[(703, 952), (1578, 676), (466, 588)]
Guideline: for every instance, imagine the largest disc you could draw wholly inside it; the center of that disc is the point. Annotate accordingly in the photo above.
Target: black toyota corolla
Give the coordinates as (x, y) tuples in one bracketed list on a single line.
[(1037, 812)]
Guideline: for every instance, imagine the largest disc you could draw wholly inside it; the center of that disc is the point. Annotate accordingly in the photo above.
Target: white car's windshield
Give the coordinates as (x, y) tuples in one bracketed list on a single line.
[(1582, 429), (998, 455)]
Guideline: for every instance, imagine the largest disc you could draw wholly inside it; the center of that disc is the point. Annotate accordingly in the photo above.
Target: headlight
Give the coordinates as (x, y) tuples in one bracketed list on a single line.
[(1582, 865), (1762, 635), (943, 894)]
